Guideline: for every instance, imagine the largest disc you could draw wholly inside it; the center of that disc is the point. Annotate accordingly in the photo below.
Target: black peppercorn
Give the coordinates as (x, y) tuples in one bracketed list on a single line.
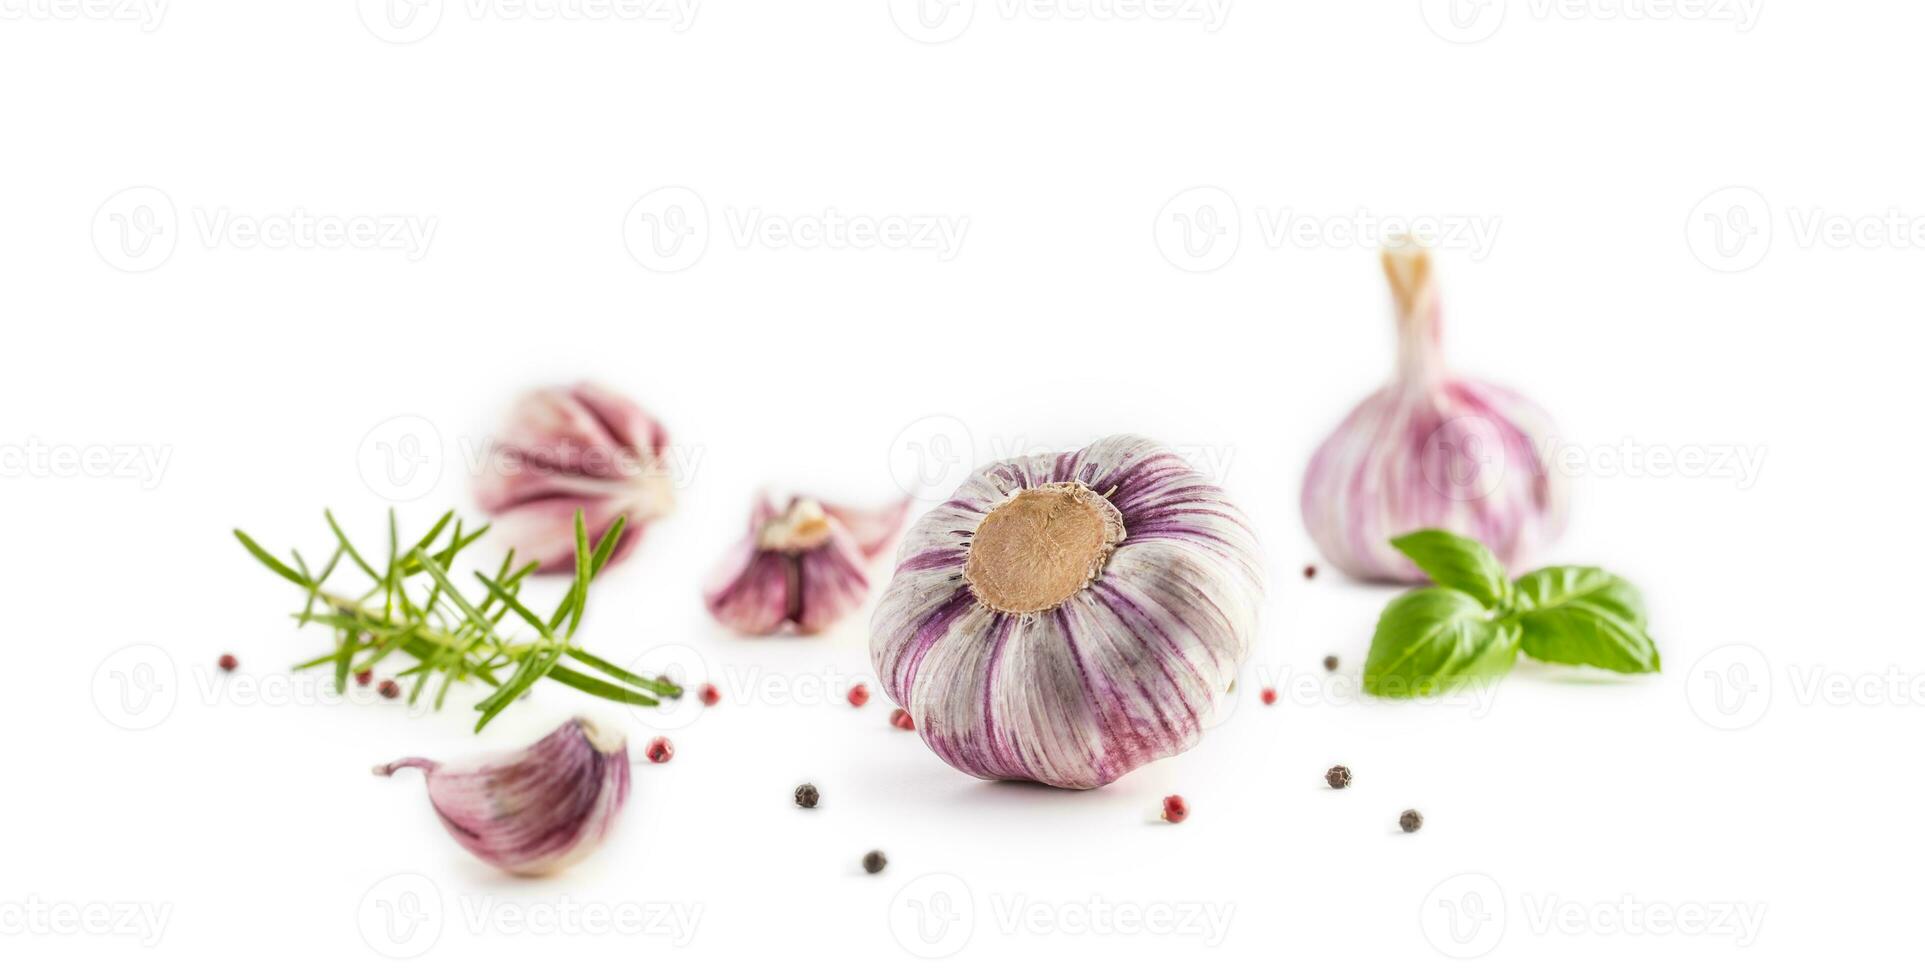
[(806, 796), (1330, 662), (873, 862), (1309, 571), (1338, 777), (1411, 820)]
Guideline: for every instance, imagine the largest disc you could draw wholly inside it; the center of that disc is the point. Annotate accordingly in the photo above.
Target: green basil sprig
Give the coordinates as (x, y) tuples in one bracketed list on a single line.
[(1474, 621)]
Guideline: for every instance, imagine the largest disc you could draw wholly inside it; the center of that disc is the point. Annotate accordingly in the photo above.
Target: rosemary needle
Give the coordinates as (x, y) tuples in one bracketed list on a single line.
[(446, 633)]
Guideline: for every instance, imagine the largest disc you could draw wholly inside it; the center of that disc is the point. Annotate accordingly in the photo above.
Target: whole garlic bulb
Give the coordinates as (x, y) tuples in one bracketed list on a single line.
[(1431, 450), (1066, 618), (536, 811), (803, 565), (565, 449)]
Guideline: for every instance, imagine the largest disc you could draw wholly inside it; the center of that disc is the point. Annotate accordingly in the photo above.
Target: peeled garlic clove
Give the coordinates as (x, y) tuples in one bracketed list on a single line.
[(565, 449), (1066, 618), (536, 811), (799, 566), (1431, 450)]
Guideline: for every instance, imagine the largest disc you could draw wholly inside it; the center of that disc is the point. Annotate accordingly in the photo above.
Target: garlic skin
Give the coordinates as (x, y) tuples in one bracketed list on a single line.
[(568, 448), (1431, 450), (1067, 618), (536, 811), (801, 566)]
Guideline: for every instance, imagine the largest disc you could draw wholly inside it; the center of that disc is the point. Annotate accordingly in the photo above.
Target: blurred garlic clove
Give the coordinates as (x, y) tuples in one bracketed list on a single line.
[(565, 449), (800, 566), (1067, 618), (1431, 450), (536, 811), (873, 530)]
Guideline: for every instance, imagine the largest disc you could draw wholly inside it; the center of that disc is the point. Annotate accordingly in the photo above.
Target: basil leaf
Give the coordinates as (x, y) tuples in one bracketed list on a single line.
[(1457, 562), (1587, 616), (1433, 639)]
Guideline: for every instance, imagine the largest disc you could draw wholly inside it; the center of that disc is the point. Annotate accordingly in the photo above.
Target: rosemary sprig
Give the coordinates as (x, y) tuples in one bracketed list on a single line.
[(448, 634)]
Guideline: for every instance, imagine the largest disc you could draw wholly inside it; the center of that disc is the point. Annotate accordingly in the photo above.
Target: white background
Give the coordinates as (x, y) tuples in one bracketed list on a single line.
[(1593, 144)]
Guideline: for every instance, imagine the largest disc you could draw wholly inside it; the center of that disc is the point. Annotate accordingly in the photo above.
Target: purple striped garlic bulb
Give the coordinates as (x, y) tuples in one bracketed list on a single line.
[(1066, 618), (564, 449), (536, 811), (803, 566), (1431, 450)]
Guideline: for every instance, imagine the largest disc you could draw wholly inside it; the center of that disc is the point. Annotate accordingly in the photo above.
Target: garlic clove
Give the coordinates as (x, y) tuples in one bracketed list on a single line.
[(564, 449), (798, 567), (873, 530), (1067, 618), (536, 811), (1431, 450)]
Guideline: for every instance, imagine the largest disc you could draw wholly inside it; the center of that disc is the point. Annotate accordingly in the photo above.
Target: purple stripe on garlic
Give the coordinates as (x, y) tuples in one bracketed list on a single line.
[(1431, 450), (536, 811), (564, 449), (803, 566), (1067, 618)]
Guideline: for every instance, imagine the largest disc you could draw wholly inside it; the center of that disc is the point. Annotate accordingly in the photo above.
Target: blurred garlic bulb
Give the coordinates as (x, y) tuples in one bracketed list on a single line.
[(536, 811), (1431, 450), (803, 565), (564, 449), (1066, 618)]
